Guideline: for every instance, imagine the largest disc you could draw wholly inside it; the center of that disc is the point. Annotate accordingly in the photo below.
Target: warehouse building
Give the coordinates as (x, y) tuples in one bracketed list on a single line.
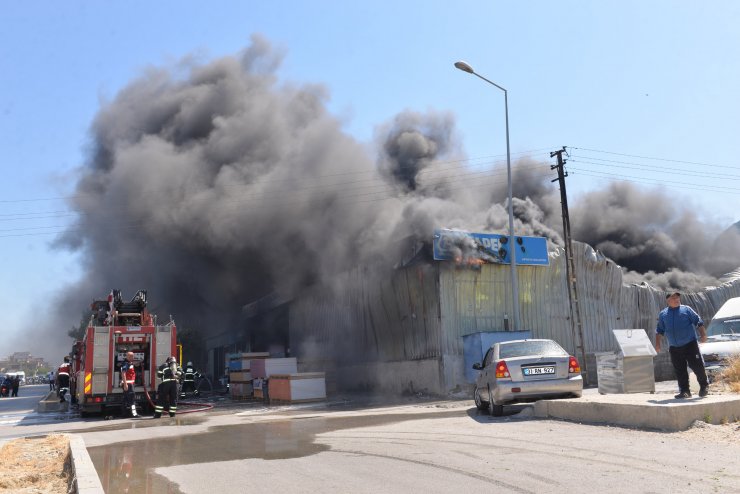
[(410, 329)]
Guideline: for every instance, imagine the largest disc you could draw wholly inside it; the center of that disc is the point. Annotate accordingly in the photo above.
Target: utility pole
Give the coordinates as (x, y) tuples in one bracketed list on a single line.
[(570, 271)]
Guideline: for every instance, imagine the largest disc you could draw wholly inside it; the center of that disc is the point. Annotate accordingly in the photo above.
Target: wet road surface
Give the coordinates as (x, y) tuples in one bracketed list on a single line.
[(129, 466)]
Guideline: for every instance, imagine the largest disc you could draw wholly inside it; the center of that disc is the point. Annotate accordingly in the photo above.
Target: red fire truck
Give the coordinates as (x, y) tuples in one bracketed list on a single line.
[(117, 327)]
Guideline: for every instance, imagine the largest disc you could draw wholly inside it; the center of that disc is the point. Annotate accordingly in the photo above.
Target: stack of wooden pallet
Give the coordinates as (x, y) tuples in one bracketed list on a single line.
[(240, 375)]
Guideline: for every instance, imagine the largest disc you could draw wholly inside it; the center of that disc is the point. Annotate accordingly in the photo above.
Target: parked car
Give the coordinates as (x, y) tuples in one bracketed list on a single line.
[(524, 371), (723, 337)]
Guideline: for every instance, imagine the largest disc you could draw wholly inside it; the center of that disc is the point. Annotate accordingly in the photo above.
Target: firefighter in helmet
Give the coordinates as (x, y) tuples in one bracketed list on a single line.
[(170, 374), (188, 380)]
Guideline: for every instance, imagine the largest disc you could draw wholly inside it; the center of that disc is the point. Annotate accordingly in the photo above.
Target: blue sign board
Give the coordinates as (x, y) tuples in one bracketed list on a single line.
[(452, 245)]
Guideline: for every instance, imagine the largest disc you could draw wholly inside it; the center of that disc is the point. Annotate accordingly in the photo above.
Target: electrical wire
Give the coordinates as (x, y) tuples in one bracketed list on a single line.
[(438, 166), (376, 189), (639, 166), (736, 167), (306, 202)]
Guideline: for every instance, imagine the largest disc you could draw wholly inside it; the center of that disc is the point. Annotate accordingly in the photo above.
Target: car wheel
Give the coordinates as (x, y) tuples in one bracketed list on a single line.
[(493, 409), (479, 403)]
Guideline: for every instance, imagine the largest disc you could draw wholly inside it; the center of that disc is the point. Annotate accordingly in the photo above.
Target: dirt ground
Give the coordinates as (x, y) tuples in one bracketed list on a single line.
[(37, 465)]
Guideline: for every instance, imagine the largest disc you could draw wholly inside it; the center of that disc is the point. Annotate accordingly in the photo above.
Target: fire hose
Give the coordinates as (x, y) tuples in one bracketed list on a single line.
[(202, 406)]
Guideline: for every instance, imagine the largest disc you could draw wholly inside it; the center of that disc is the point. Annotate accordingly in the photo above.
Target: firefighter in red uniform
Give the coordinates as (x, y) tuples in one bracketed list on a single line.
[(170, 374), (63, 379), (128, 377)]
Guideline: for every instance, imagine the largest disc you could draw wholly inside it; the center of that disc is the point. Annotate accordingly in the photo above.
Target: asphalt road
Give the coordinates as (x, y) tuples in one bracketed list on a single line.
[(418, 447), (457, 450), (26, 401)]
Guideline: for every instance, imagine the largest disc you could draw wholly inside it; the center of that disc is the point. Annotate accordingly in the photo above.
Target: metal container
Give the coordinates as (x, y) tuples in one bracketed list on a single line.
[(630, 370)]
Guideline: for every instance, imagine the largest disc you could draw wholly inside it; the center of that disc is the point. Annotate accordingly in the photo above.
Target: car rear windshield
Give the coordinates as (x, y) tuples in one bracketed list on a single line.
[(526, 348)]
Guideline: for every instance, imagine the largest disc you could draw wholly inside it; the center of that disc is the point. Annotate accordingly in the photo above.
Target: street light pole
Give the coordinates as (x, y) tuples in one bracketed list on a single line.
[(465, 67)]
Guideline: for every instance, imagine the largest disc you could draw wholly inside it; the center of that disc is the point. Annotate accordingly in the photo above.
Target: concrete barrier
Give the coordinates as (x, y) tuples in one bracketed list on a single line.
[(51, 403), (644, 410), (85, 478)]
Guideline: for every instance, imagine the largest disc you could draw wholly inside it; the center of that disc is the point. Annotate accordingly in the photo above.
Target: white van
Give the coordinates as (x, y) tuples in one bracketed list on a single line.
[(723, 336)]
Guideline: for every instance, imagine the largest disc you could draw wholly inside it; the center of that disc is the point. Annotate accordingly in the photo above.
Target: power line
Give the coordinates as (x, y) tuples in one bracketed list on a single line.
[(283, 201), (639, 166), (735, 167), (680, 185), (376, 183), (457, 164)]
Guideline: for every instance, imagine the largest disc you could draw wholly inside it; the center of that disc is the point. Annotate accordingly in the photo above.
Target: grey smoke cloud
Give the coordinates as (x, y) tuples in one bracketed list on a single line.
[(655, 237), (212, 184)]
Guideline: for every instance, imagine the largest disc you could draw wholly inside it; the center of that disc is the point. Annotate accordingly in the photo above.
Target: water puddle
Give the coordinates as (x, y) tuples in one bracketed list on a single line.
[(128, 467)]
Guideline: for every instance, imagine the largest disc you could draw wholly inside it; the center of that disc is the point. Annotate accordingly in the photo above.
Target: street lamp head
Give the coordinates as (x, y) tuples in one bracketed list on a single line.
[(464, 66)]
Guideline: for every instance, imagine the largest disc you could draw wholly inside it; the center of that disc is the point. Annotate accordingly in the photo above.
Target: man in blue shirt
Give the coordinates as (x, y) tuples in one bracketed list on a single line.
[(677, 323)]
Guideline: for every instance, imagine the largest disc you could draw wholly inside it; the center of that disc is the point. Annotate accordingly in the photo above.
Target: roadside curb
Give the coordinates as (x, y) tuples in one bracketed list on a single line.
[(85, 479), (658, 411), (51, 403)]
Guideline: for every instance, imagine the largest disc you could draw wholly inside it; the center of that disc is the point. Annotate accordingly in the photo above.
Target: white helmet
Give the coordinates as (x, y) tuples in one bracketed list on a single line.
[(190, 363)]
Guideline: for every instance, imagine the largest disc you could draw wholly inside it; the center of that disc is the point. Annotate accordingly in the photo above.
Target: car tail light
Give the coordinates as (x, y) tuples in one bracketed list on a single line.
[(502, 370), (573, 366)]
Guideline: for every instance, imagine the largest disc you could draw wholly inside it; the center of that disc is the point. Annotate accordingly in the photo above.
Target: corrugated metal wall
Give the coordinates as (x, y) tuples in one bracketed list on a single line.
[(423, 311), (479, 301), (370, 317)]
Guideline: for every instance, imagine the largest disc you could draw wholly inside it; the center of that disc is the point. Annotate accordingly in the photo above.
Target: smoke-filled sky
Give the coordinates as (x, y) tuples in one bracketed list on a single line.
[(214, 180), (220, 184)]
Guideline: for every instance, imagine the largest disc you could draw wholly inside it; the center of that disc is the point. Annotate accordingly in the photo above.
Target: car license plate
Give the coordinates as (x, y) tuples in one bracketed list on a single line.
[(536, 371)]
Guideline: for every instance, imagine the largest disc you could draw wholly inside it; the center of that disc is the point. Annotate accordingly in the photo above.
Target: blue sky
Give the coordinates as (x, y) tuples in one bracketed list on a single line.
[(644, 79)]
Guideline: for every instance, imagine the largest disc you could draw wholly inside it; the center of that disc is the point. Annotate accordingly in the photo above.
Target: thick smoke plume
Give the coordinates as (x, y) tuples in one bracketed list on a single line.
[(655, 238), (217, 187)]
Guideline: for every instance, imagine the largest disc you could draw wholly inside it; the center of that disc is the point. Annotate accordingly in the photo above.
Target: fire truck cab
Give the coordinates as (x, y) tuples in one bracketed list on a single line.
[(117, 327)]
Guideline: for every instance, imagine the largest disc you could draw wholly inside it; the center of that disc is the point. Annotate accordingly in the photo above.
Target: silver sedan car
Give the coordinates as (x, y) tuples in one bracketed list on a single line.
[(525, 370)]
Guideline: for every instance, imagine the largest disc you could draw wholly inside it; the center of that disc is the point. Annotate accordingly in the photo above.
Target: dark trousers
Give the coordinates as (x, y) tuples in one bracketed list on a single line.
[(166, 398), (188, 387), (688, 354), (63, 385), (128, 399)]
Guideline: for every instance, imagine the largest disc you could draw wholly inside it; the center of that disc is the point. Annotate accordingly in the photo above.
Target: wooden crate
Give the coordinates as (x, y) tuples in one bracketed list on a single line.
[(240, 376), (297, 387), (240, 390)]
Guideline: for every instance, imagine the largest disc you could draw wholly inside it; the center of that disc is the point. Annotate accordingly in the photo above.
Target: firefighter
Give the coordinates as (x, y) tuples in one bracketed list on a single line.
[(188, 380), (170, 373), (128, 378), (63, 379)]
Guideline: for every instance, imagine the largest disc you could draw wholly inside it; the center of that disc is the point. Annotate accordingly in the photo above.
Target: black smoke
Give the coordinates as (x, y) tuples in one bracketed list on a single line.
[(655, 237), (212, 185)]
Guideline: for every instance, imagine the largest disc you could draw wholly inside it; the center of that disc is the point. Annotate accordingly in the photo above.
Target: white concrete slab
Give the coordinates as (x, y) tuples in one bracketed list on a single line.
[(659, 410)]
